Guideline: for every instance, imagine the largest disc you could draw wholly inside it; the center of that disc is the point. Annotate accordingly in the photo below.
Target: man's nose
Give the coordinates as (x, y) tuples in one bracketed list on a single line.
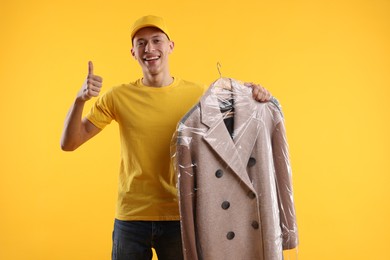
[(149, 47)]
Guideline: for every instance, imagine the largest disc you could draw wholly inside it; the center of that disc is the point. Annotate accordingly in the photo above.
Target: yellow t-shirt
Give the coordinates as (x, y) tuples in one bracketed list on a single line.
[(147, 118)]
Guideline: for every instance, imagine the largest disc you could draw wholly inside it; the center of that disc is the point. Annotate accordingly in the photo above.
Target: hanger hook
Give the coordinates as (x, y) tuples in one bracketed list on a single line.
[(218, 68)]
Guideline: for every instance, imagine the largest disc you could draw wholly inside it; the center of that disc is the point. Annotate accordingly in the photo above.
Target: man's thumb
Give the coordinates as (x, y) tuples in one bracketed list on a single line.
[(90, 68)]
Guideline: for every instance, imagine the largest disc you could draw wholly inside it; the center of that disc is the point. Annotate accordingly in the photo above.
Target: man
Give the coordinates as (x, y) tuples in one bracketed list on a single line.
[(147, 112)]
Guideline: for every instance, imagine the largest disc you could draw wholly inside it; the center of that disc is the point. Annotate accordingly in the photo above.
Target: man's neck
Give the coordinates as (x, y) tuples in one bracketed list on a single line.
[(158, 80)]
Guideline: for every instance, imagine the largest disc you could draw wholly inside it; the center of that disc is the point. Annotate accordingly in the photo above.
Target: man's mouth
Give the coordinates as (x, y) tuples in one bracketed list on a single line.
[(153, 58)]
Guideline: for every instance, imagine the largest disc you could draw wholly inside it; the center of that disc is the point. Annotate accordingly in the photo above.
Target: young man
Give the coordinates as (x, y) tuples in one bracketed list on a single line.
[(147, 111)]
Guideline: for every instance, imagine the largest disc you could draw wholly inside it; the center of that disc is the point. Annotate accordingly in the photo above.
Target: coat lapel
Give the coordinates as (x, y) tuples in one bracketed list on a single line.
[(234, 152), (246, 122)]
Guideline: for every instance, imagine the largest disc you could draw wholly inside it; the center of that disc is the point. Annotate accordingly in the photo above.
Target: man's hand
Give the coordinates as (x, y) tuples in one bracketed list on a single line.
[(92, 85), (77, 130), (259, 93)]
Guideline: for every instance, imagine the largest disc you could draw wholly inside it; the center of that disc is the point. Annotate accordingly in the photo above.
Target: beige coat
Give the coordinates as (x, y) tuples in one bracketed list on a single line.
[(235, 195)]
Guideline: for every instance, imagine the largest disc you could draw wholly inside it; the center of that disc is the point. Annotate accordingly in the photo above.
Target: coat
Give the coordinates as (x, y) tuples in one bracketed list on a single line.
[(235, 192)]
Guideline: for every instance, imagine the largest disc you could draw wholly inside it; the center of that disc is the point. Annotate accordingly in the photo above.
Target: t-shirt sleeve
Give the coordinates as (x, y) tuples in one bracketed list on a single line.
[(102, 112)]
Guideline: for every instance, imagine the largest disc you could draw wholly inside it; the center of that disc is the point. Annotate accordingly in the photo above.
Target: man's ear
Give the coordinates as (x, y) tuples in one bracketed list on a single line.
[(133, 53), (171, 46)]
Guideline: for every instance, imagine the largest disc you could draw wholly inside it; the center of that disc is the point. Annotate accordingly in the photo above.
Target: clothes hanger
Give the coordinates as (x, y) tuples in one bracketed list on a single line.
[(223, 91), (223, 83)]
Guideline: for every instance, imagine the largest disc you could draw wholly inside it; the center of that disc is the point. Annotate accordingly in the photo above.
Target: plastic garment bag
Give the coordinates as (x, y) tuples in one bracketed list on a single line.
[(234, 177)]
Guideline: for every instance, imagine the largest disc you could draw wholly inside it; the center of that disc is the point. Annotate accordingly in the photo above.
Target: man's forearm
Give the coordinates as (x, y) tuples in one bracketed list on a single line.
[(72, 132)]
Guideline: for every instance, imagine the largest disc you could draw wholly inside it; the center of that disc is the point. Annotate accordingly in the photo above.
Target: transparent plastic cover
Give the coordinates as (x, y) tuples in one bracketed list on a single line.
[(231, 157)]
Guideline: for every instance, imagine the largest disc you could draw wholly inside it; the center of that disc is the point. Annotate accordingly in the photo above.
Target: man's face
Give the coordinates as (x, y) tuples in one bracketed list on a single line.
[(151, 48)]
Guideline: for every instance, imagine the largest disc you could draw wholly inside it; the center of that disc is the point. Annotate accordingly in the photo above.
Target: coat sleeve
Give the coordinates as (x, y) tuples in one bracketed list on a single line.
[(186, 187), (284, 187)]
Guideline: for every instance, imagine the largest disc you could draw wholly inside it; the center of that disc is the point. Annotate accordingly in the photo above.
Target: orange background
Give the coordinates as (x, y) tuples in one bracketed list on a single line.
[(328, 62)]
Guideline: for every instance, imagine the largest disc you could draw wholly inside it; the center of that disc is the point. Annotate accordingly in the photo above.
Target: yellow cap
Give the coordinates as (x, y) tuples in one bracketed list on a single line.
[(149, 21)]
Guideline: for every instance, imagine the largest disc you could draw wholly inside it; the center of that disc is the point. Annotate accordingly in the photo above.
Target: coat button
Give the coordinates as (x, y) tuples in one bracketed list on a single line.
[(219, 173), (255, 224), (225, 204), (230, 235), (251, 162), (251, 195)]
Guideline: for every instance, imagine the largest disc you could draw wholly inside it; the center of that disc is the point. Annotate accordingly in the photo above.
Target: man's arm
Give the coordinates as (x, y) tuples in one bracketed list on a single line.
[(78, 130)]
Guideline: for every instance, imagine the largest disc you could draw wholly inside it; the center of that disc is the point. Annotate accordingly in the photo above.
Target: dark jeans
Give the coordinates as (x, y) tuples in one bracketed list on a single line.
[(133, 240)]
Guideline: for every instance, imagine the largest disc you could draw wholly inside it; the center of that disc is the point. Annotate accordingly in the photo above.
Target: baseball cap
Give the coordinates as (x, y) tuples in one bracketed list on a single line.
[(149, 21)]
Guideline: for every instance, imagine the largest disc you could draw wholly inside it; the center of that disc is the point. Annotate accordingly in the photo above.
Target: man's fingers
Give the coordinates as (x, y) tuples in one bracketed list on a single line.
[(90, 68), (95, 79), (94, 84), (263, 95), (95, 88), (259, 93), (255, 90), (92, 91)]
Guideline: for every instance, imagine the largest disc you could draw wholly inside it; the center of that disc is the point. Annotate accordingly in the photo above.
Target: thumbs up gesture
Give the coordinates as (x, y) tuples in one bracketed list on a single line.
[(92, 85)]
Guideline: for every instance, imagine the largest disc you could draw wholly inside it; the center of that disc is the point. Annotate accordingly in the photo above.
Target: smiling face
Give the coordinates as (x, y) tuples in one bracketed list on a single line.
[(151, 48)]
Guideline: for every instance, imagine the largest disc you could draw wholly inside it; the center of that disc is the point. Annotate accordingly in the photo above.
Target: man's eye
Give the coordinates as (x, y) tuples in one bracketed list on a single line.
[(140, 43)]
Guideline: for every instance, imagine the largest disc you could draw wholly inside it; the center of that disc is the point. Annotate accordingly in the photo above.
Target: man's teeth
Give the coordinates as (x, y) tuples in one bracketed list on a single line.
[(151, 58)]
